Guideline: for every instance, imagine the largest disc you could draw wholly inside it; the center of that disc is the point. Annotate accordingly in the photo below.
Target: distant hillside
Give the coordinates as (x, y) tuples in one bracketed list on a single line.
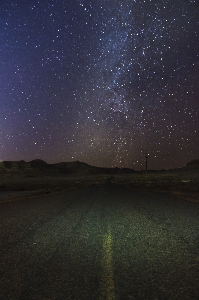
[(34, 167), (38, 167), (194, 164)]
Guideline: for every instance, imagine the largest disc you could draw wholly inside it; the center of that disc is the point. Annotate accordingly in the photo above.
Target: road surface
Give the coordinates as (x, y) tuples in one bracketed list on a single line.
[(101, 242)]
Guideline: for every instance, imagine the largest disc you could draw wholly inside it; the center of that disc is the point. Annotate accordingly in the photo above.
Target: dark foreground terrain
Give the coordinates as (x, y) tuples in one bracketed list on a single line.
[(99, 242)]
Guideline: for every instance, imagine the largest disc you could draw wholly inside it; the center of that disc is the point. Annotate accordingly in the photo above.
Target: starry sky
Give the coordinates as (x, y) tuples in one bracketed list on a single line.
[(103, 82)]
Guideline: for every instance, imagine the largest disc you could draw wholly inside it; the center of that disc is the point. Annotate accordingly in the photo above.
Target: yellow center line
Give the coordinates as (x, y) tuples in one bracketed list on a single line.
[(108, 288)]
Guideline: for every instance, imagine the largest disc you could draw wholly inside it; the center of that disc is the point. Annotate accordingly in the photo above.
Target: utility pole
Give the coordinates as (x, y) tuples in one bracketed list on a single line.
[(146, 168)]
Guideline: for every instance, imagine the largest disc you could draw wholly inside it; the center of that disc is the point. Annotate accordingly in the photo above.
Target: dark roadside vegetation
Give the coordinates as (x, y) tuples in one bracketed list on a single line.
[(20, 179)]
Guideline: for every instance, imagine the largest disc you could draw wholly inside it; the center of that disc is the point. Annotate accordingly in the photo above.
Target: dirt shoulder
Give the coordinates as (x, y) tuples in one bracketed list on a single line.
[(187, 193)]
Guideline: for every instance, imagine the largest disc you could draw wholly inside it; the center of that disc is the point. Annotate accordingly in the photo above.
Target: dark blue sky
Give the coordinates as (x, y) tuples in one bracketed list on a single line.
[(103, 82)]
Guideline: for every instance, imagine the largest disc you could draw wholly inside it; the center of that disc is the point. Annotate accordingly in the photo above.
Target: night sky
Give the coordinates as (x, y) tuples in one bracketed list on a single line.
[(104, 82)]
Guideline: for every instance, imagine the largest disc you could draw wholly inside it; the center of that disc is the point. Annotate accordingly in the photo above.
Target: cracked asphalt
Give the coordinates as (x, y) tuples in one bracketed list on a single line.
[(99, 242)]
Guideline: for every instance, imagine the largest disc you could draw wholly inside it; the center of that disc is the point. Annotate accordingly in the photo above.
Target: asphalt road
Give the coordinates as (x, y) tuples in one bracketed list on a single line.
[(103, 242)]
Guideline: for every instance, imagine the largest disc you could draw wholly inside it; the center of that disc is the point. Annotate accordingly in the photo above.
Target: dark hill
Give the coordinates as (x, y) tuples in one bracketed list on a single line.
[(39, 167), (192, 165), (34, 167)]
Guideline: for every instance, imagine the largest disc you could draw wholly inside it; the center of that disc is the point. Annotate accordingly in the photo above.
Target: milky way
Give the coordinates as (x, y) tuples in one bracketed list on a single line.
[(103, 82)]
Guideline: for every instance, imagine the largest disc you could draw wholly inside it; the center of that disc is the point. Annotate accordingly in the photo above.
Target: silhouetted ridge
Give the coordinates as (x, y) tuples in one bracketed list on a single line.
[(38, 167), (193, 163)]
